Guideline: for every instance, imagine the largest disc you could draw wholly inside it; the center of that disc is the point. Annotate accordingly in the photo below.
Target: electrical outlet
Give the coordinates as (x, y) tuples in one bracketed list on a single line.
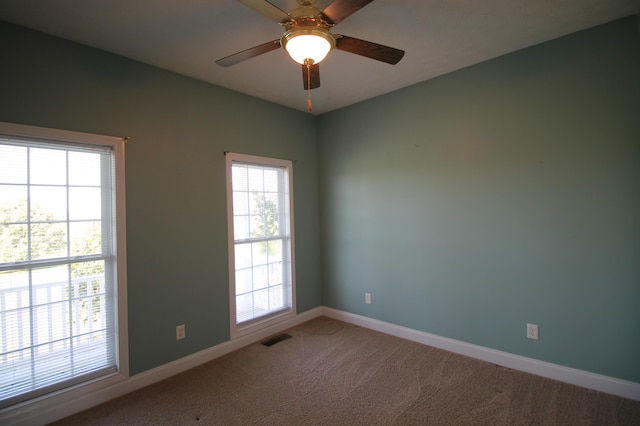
[(367, 298), (532, 331), (181, 333)]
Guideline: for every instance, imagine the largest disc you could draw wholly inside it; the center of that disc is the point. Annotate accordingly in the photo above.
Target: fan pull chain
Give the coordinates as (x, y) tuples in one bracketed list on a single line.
[(309, 86)]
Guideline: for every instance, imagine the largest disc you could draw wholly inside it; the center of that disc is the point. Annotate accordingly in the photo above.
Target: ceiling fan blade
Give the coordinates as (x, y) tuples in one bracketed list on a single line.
[(341, 9), (311, 76), (252, 52), (268, 10), (370, 50)]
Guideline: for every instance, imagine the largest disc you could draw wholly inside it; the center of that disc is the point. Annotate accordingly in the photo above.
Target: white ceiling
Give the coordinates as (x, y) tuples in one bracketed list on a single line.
[(438, 36)]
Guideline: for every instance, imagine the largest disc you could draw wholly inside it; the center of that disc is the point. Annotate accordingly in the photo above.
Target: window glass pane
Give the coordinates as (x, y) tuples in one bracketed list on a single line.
[(16, 322), (244, 307), (271, 180), (85, 238), (260, 277), (48, 166), (255, 180), (275, 273), (85, 203), (276, 298), (92, 269), (256, 202), (268, 211), (16, 281), (50, 284), (89, 293), (275, 251), (42, 365), (259, 253), (264, 215), (13, 164), (56, 276), (15, 243), (86, 312), (240, 179), (84, 168), (257, 226), (241, 227), (261, 302), (244, 282), (50, 322), (48, 240), (50, 287), (240, 203), (48, 203), (243, 256), (13, 203)]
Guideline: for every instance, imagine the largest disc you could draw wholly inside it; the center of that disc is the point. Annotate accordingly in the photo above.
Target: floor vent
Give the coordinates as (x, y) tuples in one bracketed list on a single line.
[(276, 339)]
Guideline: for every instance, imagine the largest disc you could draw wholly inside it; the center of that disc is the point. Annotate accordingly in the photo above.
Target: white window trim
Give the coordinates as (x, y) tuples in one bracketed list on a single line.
[(237, 331), (48, 402)]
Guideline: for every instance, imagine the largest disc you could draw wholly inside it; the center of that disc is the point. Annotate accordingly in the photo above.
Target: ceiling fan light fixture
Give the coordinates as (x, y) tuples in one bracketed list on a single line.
[(304, 44)]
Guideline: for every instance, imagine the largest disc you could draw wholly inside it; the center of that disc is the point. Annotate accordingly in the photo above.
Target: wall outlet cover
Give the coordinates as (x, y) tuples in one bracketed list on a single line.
[(532, 331), (180, 332)]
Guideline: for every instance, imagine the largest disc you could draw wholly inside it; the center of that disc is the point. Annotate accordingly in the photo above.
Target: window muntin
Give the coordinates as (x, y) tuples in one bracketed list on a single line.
[(59, 260), (261, 242)]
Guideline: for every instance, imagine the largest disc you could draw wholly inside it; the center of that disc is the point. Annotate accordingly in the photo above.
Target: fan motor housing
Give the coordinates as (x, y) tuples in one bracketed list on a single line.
[(307, 30)]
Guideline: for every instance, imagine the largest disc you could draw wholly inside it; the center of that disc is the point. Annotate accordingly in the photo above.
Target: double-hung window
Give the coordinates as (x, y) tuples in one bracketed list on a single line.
[(61, 260), (261, 270)]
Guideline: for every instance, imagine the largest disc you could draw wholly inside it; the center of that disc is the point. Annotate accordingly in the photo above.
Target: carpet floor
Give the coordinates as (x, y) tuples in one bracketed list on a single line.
[(334, 373)]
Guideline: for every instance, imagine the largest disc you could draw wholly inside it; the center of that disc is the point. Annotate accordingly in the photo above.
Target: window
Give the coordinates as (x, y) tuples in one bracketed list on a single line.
[(261, 270), (61, 260)]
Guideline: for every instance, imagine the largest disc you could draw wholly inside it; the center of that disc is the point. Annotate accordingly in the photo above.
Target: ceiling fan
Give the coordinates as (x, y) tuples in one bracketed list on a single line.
[(308, 39)]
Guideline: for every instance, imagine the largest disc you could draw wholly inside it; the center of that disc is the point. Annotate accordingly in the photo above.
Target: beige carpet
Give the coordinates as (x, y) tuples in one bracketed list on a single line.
[(333, 373)]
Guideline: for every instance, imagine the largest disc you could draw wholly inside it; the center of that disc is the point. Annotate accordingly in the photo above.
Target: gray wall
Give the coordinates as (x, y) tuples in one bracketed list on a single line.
[(504, 193), (175, 177)]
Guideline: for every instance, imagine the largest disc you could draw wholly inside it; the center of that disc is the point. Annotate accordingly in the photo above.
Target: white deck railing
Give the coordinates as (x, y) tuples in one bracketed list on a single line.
[(38, 319)]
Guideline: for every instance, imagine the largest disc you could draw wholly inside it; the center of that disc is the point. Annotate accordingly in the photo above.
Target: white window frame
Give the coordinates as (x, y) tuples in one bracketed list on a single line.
[(61, 400), (242, 329)]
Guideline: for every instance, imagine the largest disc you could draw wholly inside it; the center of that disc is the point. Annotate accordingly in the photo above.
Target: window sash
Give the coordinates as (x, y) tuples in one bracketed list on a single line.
[(58, 330), (262, 284)]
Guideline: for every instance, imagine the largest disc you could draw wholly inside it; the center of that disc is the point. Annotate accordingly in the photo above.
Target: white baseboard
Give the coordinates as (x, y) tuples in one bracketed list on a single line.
[(573, 376), (72, 401)]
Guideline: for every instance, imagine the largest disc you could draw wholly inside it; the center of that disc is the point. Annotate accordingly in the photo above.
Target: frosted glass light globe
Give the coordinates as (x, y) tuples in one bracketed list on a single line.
[(307, 46)]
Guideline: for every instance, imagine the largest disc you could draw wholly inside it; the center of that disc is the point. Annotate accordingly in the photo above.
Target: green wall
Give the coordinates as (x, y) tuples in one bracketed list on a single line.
[(504, 193), (175, 177), (468, 205)]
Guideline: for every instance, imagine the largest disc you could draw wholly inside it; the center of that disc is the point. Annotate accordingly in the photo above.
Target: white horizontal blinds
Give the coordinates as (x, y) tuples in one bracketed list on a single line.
[(57, 260), (262, 244)]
